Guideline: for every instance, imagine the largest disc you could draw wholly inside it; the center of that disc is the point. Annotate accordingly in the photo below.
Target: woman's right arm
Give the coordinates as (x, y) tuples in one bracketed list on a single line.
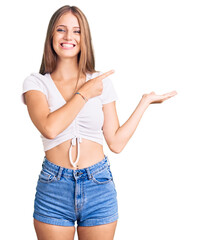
[(51, 124)]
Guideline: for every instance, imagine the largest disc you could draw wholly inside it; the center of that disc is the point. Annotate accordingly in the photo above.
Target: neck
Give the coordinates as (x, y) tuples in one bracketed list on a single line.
[(66, 70)]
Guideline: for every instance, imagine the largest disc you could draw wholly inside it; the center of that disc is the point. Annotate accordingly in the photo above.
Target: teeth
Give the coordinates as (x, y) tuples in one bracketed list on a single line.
[(67, 45)]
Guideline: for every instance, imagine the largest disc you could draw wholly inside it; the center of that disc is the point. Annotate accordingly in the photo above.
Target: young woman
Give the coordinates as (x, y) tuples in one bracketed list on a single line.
[(73, 107)]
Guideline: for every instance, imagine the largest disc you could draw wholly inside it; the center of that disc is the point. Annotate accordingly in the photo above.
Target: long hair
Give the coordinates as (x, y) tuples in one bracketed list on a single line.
[(86, 60)]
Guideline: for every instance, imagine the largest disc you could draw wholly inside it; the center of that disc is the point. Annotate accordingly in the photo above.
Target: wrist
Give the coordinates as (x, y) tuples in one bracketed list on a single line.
[(144, 100), (82, 95)]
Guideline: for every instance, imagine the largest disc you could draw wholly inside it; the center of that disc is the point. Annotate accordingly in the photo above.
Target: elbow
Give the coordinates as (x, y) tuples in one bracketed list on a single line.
[(116, 149), (49, 136), (48, 133)]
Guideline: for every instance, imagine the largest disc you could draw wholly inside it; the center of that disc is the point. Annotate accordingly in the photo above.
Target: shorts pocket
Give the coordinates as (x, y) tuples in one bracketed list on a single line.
[(46, 176), (103, 176)]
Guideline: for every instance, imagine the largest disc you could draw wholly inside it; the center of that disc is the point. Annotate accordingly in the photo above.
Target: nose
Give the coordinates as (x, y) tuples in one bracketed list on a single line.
[(68, 35)]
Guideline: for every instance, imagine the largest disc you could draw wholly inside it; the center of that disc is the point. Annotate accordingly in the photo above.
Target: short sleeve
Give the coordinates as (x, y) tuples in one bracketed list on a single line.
[(31, 83), (109, 93)]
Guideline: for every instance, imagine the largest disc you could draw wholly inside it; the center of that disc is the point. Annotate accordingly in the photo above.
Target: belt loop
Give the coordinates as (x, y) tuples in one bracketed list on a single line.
[(43, 161), (108, 162), (88, 173), (59, 173)]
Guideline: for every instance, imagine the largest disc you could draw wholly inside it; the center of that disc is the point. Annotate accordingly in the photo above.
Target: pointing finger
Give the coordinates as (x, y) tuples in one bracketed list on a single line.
[(104, 75)]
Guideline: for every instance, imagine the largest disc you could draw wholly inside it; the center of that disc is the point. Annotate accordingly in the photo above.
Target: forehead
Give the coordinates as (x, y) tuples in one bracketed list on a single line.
[(69, 20)]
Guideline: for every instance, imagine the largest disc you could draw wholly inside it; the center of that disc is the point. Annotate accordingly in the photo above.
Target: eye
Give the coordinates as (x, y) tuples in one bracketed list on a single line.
[(60, 30), (77, 31)]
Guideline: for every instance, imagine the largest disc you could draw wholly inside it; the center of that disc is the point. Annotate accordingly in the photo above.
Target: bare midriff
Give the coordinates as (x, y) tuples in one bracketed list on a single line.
[(90, 154)]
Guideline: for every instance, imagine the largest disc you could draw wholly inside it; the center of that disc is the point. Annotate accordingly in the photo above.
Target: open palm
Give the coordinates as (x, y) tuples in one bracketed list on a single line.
[(154, 98)]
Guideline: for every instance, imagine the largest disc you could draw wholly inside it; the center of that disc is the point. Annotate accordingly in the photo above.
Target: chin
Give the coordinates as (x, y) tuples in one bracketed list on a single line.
[(67, 56)]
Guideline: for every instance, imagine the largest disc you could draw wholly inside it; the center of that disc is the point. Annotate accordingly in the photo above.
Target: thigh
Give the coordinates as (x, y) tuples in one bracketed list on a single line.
[(46, 231), (54, 199), (99, 205), (104, 232)]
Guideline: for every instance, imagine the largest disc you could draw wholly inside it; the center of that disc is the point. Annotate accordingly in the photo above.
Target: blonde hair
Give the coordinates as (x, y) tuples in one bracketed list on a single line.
[(86, 60)]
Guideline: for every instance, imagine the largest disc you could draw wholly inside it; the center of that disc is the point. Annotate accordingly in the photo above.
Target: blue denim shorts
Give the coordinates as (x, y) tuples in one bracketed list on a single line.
[(64, 196)]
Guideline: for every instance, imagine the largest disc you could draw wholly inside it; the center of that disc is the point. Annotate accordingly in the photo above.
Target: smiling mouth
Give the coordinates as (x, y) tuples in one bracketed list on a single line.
[(67, 46)]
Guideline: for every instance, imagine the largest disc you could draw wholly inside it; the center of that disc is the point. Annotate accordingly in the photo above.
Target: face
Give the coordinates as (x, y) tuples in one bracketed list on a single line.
[(66, 38)]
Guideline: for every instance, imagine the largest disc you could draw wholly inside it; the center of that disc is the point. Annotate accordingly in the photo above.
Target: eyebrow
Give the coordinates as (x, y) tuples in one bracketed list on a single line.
[(66, 26)]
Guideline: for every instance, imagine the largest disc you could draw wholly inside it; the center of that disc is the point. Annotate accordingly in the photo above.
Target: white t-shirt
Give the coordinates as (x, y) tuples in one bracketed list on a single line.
[(88, 122)]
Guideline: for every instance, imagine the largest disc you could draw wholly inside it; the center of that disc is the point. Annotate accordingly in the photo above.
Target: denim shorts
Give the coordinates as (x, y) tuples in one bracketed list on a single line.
[(64, 196)]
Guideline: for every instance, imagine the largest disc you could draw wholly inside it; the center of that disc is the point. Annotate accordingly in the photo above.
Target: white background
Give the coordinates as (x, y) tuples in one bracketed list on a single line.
[(153, 46)]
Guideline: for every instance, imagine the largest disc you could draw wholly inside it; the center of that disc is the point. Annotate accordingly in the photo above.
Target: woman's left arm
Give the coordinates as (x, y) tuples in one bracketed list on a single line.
[(117, 136)]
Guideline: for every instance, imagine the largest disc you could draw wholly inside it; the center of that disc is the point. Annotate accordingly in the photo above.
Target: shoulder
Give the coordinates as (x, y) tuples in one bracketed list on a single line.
[(36, 79), (38, 76)]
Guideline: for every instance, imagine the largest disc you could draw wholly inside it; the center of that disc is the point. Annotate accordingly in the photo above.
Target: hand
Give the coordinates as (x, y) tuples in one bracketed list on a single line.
[(154, 98), (94, 87)]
